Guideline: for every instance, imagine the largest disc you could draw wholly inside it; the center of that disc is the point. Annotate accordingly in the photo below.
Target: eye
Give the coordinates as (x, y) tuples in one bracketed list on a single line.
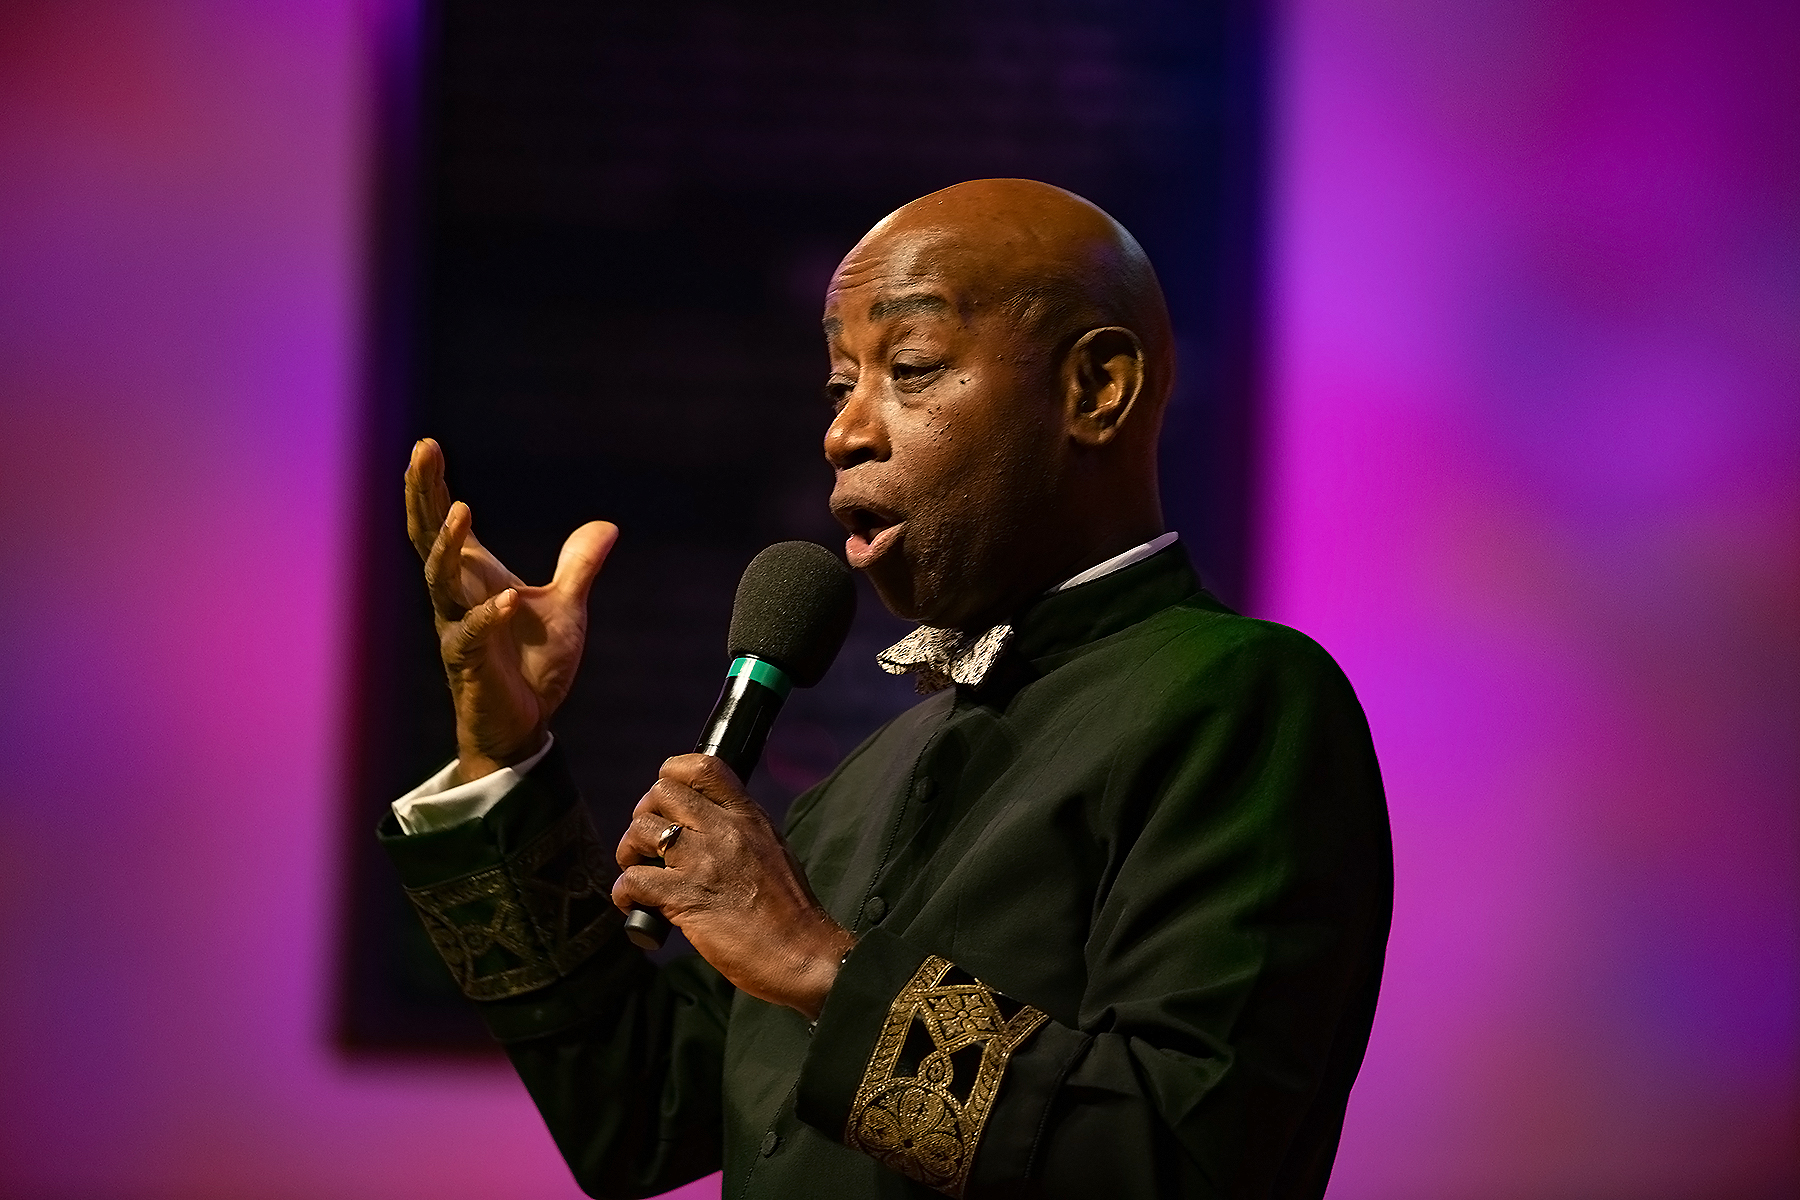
[(837, 393), (912, 374)]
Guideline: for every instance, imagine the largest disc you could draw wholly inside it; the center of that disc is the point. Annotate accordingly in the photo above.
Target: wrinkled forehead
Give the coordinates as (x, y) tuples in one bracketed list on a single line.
[(962, 270)]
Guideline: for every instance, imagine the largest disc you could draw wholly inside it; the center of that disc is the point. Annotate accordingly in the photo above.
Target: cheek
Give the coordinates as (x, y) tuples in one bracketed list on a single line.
[(978, 484), (986, 436)]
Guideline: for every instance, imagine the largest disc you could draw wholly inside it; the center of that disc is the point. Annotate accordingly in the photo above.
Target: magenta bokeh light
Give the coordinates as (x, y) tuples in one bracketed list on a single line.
[(1534, 481), (182, 201), (1533, 463)]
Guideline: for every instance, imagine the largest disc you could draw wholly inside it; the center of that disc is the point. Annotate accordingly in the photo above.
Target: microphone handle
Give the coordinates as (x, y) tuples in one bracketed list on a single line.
[(734, 734)]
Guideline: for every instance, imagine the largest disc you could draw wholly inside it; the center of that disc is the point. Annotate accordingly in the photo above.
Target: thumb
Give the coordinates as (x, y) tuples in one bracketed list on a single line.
[(464, 641), (581, 558)]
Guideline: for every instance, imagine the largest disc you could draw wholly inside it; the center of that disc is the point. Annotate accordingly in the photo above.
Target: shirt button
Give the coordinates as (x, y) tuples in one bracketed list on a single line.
[(875, 909), (924, 789), (771, 1143)]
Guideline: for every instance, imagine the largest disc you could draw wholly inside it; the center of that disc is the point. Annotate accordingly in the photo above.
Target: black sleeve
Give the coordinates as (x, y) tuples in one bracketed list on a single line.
[(622, 1057), (1232, 965)]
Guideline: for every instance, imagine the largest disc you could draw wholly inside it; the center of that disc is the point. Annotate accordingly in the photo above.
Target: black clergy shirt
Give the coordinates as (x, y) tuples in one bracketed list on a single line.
[(1121, 913)]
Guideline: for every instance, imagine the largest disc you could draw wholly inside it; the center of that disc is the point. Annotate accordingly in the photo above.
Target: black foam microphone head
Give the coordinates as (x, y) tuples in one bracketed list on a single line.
[(794, 607)]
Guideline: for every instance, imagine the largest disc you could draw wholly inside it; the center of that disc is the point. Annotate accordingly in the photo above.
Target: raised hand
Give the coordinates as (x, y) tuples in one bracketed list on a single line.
[(510, 650)]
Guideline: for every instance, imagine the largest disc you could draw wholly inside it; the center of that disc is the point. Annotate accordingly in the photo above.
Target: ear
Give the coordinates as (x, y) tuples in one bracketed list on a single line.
[(1103, 375)]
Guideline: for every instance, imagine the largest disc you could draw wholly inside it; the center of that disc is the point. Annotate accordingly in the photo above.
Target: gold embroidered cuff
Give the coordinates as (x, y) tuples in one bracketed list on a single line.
[(522, 925), (934, 1074)]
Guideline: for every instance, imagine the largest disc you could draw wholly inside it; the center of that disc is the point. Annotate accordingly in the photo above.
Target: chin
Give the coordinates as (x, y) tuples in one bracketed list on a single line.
[(897, 592), (937, 593), (918, 601)]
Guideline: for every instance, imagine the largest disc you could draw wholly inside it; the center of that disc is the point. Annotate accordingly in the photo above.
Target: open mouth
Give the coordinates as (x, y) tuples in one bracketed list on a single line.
[(872, 533)]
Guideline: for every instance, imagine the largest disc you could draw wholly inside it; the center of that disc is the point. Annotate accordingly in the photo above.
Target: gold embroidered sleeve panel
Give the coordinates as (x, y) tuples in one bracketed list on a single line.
[(935, 1071), (521, 925)]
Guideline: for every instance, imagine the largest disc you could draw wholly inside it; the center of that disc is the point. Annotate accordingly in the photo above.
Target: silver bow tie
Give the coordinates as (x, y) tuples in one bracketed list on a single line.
[(941, 657)]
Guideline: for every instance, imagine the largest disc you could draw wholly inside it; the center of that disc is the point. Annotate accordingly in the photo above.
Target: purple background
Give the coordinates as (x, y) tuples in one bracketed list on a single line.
[(1533, 476)]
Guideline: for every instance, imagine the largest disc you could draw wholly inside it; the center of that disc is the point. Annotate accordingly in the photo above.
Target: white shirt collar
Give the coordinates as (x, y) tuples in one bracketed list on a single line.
[(1118, 562)]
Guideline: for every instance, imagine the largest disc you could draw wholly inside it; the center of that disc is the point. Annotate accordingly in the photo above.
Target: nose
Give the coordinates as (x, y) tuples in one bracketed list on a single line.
[(857, 434)]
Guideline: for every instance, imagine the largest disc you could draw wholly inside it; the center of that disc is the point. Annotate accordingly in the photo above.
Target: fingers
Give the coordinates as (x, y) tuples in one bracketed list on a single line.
[(646, 887), (676, 801), (663, 805), (430, 511), (427, 495), (708, 776), (417, 532), (639, 842), (443, 565), (581, 558), (464, 640)]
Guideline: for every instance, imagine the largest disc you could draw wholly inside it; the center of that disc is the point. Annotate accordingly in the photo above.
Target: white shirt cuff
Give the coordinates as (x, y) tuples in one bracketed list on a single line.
[(438, 804)]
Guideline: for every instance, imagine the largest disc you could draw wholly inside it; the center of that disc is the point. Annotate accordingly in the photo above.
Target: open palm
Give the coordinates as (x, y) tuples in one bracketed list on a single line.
[(510, 650)]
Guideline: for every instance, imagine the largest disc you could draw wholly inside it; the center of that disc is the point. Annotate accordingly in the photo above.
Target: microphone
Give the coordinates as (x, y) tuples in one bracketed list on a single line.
[(791, 614)]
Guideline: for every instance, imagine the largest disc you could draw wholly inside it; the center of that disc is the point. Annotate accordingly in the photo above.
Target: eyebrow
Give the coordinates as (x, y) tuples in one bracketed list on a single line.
[(912, 302), (898, 306)]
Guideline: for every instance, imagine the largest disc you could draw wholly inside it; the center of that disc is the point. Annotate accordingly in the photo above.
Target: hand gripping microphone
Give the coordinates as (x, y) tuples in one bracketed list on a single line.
[(793, 609)]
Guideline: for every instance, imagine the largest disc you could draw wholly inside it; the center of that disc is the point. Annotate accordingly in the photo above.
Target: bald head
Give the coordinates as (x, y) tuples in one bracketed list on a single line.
[(1056, 262), (1000, 357)]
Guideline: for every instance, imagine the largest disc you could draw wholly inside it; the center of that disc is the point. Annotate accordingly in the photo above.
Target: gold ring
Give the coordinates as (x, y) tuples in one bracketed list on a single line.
[(666, 838)]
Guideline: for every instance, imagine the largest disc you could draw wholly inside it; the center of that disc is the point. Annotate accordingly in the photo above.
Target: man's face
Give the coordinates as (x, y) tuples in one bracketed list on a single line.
[(947, 435)]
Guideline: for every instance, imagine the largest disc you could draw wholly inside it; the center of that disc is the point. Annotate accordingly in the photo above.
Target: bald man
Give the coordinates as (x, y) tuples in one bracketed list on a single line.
[(1103, 915)]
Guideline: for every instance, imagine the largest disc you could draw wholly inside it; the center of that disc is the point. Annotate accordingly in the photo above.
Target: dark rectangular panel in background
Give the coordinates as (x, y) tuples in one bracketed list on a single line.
[(606, 240)]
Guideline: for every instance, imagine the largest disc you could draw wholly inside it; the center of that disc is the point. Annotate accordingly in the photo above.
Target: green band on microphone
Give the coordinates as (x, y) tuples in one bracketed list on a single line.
[(765, 673)]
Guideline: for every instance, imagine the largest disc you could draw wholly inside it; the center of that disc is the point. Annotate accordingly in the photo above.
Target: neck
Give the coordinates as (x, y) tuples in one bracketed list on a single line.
[(1103, 525), (1070, 557)]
